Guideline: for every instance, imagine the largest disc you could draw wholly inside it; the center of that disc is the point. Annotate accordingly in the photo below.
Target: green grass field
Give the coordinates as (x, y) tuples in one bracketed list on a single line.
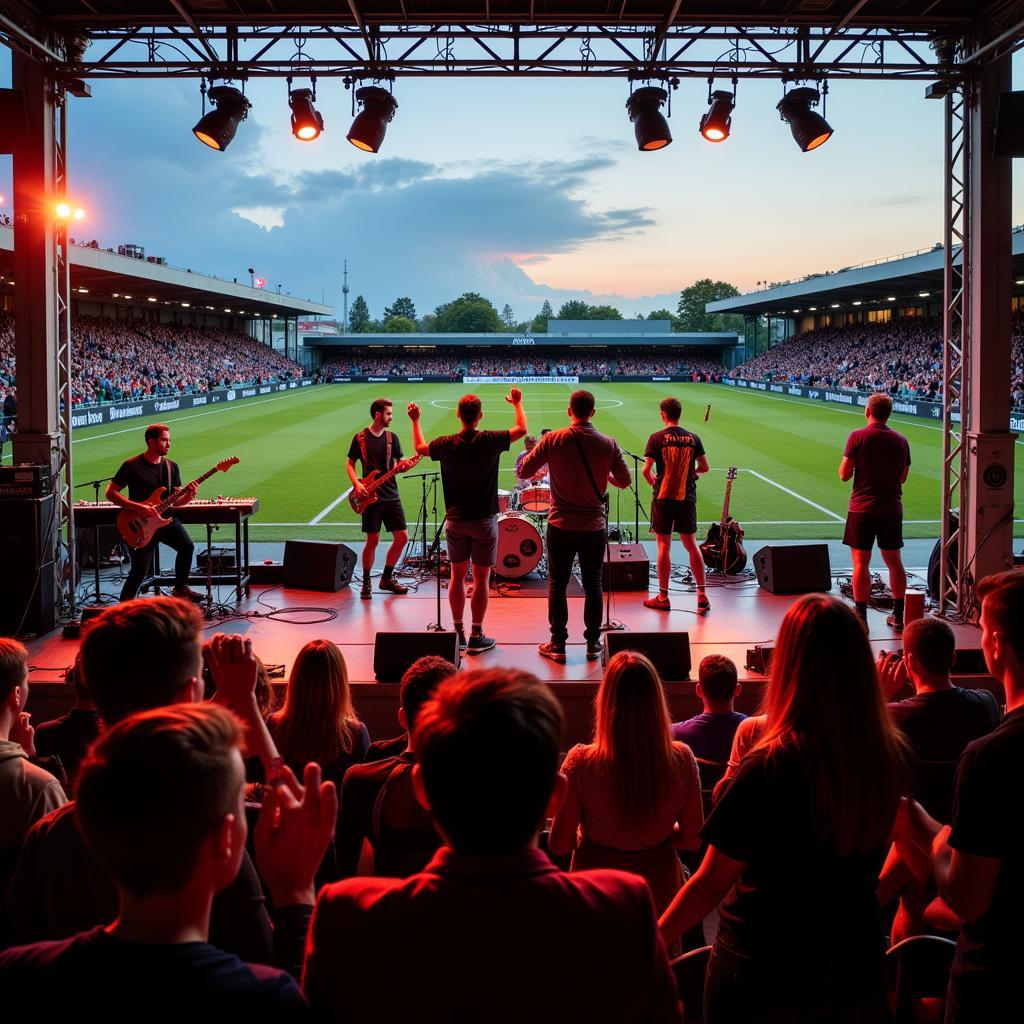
[(292, 450)]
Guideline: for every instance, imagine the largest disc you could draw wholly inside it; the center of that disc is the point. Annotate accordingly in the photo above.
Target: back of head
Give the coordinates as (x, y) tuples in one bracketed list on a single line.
[(420, 681), (879, 407), (718, 678), (141, 654), (672, 408), (13, 666), (152, 789), (1002, 600), (487, 743), (581, 404), (932, 644), (469, 409), (824, 703)]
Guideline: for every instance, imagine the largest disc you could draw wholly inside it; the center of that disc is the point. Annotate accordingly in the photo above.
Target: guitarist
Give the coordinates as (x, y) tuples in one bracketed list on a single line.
[(142, 476), (673, 459), (376, 447)]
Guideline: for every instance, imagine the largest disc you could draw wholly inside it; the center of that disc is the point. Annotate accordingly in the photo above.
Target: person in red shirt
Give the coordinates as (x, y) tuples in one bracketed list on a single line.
[(877, 459)]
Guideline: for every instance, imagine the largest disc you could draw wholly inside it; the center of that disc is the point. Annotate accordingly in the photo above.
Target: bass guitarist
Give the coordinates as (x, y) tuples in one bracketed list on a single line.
[(143, 475), (376, 447), (673, 459)]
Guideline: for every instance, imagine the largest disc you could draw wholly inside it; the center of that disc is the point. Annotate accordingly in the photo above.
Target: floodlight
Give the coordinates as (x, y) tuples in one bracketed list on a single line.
[(217, 127), (307, 122), (371, 123), (649, 124), (716, 123), (809, 128)]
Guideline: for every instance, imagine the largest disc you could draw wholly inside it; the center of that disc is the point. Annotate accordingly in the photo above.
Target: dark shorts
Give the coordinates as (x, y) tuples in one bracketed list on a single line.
[(864, 528), (390, 513), (669, 516), (472, 540)]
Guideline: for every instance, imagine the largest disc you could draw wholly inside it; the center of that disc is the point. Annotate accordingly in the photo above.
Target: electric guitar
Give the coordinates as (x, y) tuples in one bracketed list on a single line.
[(138, 530), (723, 549), (373, 482)]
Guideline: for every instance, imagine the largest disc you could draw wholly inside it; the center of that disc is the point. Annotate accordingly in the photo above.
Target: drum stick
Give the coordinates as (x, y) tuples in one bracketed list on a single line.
[(707, 412)]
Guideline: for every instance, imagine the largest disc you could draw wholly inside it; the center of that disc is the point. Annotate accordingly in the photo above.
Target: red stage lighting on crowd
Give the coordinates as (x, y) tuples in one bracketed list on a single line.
[(216, 128), (715, 125), (809, 128), (371, 123), (307, 122), (649, 124)]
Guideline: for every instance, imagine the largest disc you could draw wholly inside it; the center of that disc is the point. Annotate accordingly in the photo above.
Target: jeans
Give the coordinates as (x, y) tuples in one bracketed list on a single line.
[(563, 547), (175, 537)]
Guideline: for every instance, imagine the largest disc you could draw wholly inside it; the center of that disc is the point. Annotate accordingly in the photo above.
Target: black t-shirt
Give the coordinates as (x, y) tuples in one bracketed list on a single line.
[(939, 725), (987, 822), (142, 477), (469, 471), (798, 905), (107, 978), (675, 452), (880, 455), (68, 737), (376, 458)]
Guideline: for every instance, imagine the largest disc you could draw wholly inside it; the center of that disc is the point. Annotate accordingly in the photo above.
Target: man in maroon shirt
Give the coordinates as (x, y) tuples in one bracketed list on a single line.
[(877, 458)]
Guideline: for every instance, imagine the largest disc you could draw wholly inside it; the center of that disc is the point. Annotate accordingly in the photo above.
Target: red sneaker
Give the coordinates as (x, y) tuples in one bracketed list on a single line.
[(658, 602)]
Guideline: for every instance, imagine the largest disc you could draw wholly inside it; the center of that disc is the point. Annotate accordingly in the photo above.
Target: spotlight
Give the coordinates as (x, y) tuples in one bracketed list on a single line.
[(216, 128), (649, 124), (307, 122), (715, 124), (809, 128), (371, 123)]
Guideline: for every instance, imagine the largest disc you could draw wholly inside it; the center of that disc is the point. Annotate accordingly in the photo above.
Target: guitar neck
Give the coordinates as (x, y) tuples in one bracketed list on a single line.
[(725, 504), (169, 500)]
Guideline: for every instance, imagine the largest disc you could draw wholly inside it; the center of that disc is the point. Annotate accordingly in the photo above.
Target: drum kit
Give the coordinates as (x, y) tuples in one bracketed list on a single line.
[(521, 517)]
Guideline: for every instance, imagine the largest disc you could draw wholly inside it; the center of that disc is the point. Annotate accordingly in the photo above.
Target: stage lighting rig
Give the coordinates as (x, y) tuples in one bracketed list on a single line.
[(649, 123), (307, 121), (716, 124), (809, 128), (371, 123), (217, 127)]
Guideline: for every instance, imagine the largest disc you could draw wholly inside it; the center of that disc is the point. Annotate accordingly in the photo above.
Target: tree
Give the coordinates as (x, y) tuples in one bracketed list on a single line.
[(574, 309), (540, 321), (508, 317), (603, 313), (399, 325), (358, 316), (694, 317), (401, 307), (661, 314), (468, 314), (427, 323)]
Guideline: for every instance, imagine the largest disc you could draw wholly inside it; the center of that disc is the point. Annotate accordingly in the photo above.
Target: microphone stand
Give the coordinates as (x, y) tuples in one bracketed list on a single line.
[(634, 487), (436, 627), (95, 484)]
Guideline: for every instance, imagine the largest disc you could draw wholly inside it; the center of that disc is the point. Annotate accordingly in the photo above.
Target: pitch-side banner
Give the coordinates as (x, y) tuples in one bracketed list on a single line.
[(520, 380)]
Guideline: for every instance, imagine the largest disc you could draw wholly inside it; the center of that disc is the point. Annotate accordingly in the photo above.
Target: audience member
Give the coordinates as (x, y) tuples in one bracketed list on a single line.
[(797, 839), (69, 736), (710, 734), (378, 806), (491, 928)]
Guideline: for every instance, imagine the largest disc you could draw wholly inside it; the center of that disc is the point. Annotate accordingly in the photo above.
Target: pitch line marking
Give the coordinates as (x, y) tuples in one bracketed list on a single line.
[(330, 508), (800, 497)]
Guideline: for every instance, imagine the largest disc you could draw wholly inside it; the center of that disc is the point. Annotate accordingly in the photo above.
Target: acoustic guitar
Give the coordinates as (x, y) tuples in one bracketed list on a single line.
[(723, 550), (373, 482), (138, 530)]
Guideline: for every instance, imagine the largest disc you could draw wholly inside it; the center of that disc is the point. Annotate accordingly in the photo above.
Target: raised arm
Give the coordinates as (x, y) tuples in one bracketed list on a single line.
[(515, 399), (418, 441)]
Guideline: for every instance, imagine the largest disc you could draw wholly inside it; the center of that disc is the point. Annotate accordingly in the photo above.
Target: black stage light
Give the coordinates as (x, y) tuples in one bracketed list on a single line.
[(217, 127), (307, 122), (649, 124), (809, 128), (371, 123), (716, 123)]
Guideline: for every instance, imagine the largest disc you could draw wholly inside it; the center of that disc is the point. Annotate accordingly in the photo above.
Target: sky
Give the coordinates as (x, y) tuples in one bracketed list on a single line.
[(522, 190)]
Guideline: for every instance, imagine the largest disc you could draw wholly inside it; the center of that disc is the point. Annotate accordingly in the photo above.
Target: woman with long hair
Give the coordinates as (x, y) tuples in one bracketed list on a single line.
[(634, 795), (318, 722), (797, 839)]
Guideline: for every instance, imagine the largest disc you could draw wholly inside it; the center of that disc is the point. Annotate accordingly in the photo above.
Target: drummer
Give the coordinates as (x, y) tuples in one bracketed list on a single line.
[(529, 442), (469, 478)]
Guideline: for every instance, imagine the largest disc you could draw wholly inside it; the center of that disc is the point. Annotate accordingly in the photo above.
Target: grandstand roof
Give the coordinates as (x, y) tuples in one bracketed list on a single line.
[(99, 274), (903, 278), (599, 339)]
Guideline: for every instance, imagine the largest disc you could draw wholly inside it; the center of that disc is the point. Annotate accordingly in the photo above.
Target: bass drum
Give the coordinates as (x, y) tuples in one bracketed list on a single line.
[(520, 546)]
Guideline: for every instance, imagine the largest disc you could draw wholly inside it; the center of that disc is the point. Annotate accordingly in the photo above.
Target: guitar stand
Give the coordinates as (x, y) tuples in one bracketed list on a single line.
[(436, 627), (208, 602)]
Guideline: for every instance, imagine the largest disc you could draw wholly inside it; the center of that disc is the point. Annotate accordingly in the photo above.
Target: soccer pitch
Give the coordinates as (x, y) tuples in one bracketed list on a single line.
[(292, 450)]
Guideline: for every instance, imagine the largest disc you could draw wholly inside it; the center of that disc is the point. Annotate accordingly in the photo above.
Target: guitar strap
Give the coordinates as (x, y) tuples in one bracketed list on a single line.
[(388, 437), (601, 497)]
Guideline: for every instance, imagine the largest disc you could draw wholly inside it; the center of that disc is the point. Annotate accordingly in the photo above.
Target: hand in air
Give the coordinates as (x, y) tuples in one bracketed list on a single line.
[(414, 411), (234, 668), (892, 672), (514, 396)]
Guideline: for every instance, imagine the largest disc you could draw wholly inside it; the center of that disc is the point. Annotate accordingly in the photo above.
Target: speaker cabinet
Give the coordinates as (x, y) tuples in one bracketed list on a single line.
[(627, 566), (794, 569), (393, 653), (28, 596), (85, 545), (317, 565), (670, 652)]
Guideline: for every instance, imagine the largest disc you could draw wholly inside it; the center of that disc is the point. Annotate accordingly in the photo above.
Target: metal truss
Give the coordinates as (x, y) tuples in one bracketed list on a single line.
[(385, 52)]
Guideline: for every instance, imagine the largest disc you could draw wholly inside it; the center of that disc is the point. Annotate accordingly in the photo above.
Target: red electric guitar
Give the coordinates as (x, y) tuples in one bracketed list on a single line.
[(373, 482)]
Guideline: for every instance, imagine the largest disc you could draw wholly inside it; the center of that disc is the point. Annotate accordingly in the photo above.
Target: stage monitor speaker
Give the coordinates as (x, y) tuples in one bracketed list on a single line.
[(317, 564), (794, 569), (393, 653), (628, 566), (28, 596), (1008, 138), (670, 652), (85, 545), (266, 574)]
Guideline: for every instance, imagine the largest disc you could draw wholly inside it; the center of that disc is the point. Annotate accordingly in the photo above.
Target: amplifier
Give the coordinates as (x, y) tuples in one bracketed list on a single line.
[(26, 480), (223, 559), (628, 566)]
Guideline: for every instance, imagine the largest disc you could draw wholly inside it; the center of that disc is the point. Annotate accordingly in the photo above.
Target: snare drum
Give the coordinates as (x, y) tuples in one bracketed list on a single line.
[(520, 546), (536, 500)]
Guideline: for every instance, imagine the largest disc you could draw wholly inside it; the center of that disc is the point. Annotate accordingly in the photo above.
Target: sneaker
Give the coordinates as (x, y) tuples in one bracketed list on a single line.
[(703, 604), (553, 650), (367, 592), (895, 624), (659, 603), (187, 594), (478, 643), (594, 649), (393, 586), (461, 634)]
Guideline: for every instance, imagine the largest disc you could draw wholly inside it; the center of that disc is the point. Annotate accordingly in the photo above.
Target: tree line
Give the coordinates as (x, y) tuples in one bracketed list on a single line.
[(471, 313)]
